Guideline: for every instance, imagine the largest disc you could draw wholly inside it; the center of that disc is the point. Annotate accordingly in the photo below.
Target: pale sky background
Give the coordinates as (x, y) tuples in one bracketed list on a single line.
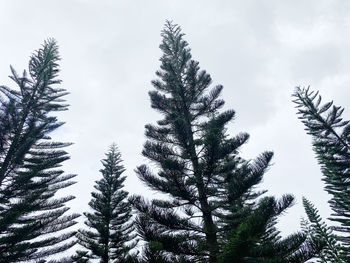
[(259, 51)]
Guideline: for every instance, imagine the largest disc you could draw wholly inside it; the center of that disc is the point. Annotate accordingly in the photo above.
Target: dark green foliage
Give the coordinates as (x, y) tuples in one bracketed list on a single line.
[(110, 236), (81, 257), (331, 143), (318, 230), (212, 212), (31, 218), (256, 239)]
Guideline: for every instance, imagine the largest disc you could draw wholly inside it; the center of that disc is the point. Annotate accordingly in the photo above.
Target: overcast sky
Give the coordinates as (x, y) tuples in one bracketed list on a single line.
[(259, 51)]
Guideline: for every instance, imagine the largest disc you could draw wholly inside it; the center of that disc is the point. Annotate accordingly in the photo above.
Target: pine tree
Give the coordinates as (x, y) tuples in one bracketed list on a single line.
[(318, 229), (32, 220), (211, 212), (331, 143), (110, 236)]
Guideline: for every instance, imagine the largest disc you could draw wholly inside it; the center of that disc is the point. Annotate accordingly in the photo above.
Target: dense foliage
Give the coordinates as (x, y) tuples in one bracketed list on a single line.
[(331, 143), (31, 218), (212, 211), (318, 230), (109, 237)]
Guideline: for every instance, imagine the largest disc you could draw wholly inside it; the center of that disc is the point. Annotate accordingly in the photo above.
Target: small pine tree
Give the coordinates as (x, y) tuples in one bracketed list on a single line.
[(31, 218), (212, 212), (318, 229), (331, 143), (110, 235)]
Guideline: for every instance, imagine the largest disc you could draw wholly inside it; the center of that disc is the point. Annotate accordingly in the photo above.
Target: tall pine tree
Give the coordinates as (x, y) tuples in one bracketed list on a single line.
[(211, 212), (32, 219), (110, 235), (331, 143)]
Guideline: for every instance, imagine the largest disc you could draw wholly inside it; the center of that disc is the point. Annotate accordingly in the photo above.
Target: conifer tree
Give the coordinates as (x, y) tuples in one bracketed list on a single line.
[(110, 235), (318, 229), (331, 143), (212, 212), (32, 220)]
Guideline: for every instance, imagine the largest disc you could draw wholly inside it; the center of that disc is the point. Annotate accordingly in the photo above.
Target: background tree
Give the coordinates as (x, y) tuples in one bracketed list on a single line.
[(331, 143), (318, 229), (110, 236), (212, 212), (32, 220)]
